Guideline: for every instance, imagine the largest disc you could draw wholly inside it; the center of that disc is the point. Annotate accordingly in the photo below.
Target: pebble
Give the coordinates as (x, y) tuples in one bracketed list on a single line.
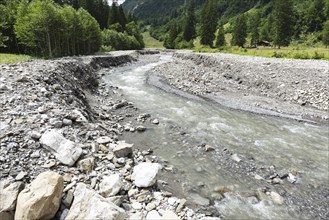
[(136, 205), (20, 176)]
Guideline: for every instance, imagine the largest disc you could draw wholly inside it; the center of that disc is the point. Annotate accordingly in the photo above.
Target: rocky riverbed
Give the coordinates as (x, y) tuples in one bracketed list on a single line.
[(60, 153), (297, 89)]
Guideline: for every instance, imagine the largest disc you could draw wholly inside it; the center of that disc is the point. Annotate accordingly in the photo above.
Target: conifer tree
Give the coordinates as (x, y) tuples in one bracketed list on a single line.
[(254, 23), (189, 25), (220, 39), (208, 23), (325, 34), (283, 22), (113, 15), (239, 33)]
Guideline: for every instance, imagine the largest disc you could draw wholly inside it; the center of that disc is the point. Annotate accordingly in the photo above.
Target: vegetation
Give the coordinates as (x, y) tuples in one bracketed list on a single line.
[(55, 28), (285, 24), (13, 58), (151, 42)]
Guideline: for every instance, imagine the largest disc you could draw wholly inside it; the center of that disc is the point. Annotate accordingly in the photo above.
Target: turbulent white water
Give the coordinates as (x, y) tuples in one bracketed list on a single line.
[(270, 141)]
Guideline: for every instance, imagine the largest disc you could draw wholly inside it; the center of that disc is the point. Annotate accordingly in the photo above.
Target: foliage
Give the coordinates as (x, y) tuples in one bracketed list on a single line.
[(254, 24), (49, 30), (208, 19), (325, 34), (283, 22), (239, 33), (13, 58), (220, 38), (189, 24)]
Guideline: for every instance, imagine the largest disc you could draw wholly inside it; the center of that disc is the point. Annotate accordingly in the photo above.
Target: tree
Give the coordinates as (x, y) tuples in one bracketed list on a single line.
[(315, 16), (254, 24), (189, 24), (283, 22), (325, 34), (3, 25), (220, 39), (239, 33), (208, 23), (169, 41), (113, 15)]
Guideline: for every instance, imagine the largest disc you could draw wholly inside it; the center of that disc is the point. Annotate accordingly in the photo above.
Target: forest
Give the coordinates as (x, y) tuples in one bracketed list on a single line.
[(47, 28), (222, 23)]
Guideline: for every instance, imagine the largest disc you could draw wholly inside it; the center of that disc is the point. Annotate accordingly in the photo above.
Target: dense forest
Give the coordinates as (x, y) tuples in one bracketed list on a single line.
[(48, 28), (281, 22)]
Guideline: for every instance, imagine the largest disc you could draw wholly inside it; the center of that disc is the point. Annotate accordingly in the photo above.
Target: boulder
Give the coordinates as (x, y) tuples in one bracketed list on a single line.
[(111, 185), (277, 198), (8, 195), (123, 150), (88, 204), (42, 198), (65, 150), (144, 174)]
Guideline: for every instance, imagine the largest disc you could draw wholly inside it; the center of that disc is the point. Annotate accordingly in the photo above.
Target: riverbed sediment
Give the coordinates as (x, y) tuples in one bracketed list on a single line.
[(296, 89)]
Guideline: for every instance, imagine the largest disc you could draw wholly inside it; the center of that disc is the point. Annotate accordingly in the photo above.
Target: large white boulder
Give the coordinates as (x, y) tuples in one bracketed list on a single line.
[(41, 199), (88, 204), (65, 150), (111, 185), (144, 174)]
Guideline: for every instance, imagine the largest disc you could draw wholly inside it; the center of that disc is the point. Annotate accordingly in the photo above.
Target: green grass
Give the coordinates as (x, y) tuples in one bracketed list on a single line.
[(150, 42), (285, 52), (13, 58)]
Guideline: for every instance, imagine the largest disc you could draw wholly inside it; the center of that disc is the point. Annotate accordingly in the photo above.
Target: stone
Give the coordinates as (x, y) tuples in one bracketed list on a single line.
[(111, 185), (136, 205), (68, 198), (169, 215), (153, 215), (144, 174), (20, 176), (136, 216), (104, 140), (172, 201), (88, 204), (65, 150), (123, 149), (150, 206), (155, 121), (42, 198), (209, 148), (292, 178), (86, 165), (8, 195), (180, 205), (35, 135), (49, 163), (67, 122), (258, 177), (140, 128), (236, 158), (64, 214), (277, 198)]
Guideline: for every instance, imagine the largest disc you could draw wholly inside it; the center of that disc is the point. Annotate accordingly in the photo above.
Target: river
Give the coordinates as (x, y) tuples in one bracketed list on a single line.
[(260, 142)]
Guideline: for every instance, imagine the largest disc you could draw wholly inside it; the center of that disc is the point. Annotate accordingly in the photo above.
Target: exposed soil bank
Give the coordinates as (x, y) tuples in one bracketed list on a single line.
[(297, 89)]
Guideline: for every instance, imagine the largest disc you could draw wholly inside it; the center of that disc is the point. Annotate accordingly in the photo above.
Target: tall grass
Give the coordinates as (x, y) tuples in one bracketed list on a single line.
[(13, 58)]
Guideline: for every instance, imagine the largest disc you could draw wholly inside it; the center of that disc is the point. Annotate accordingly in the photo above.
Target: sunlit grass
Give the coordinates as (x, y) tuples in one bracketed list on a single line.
[(150, 42), (13, 58)]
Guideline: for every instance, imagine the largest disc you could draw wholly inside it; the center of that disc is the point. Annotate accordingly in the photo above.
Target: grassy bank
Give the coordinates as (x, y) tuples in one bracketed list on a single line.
[(13, 58), (286, 52), (150, 42)]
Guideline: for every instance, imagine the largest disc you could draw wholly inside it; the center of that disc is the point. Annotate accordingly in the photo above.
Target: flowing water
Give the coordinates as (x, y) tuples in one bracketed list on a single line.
[(285, 144)]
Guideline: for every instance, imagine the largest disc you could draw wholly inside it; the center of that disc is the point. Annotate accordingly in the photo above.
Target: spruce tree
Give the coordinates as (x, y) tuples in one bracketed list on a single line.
[(325, 34), (189, 25), (283, 22), (220, 39), (208, 23), (254, 23), (113, 15), (239, 33)]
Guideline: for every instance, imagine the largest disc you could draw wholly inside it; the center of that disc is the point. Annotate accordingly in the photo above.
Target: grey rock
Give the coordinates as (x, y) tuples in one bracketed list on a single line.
[(65, 151), (199, 200), (140, 128), (20, 176), (67, 122), (123, 150), (153, 215), (86, 165), (87, 204), (104, 140), (111, 185), (68, 198)]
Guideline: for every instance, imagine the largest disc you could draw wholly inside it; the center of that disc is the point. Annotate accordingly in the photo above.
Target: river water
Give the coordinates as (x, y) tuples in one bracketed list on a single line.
[(259, 140)]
